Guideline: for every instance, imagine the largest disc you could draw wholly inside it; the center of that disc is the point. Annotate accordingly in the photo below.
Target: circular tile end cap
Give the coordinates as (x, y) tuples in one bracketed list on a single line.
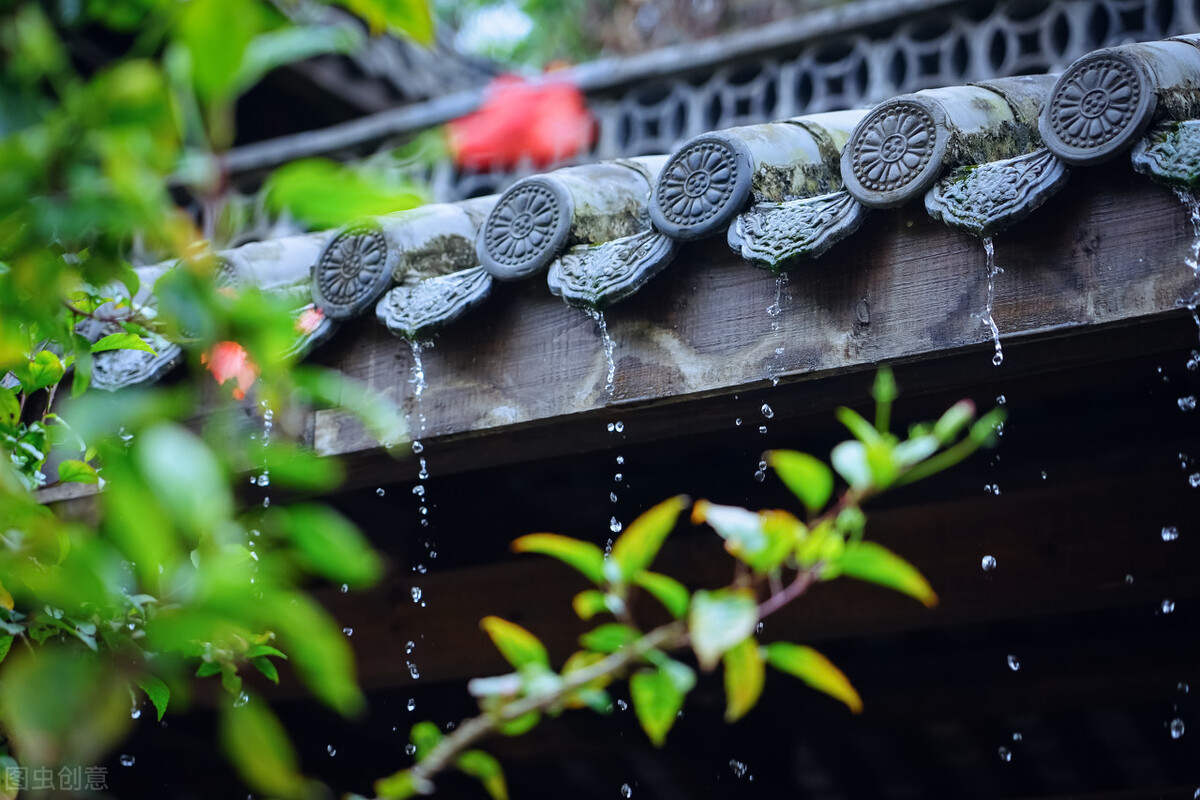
[(702, 187), (896, 152), (352, 271), (526, 230), (1098, 108)]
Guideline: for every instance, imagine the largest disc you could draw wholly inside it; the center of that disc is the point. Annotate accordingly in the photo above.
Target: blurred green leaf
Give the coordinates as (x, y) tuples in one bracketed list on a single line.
[(951, 423), (185, 475), (410, 17), (484, 768), (73, 471), (257, 745), (10, 407), (874, 563), (657, 700), (520, 725), (744, 678), (297, 467), (668, 591), (402, 785), (326, 194), (863, 431), (158, 692), (122, 341), (761, 540), (518, 646), (718, 621), (278, 48), (814, 669), (329, 545), (583, 556), (5, 646), (43, 370), (589, 603), (424, 737), (217, 33), (849, 458), (636, 548), (609, 638), (807, 477)]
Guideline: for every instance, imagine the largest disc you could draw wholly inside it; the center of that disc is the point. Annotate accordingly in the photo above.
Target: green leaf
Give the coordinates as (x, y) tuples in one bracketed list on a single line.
[(284, 46), (609, 638), (519, 726), (807, 477), (10, 407), (657, 700), (951, 423), (850, 460), (82, 377), (486, 769), (668, 591), (329, 545), (718, 621), (265, 650), (411, 17), (874, 563), (639, 544), (761, 540), (744, 678), (231, 681), (43, 370), (72, 471), (814, 669), (122, 341), (402, 785), (184, 474), (585, 557), (915, 450), (518, 646), (257, 745), (158, 692), (424, 736), (5, 646), (266, 667), (207, 669), (863, 431), (589, 603), (216, 33), (326, 194)]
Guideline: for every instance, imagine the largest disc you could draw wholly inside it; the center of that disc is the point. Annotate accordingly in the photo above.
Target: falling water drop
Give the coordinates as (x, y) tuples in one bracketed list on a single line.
[(416, 594), (614, 525), (136, 713), (1194, 480), (1193, 363), (767, 411), (1170, 533), (345, 588), (620, 459), (1167, 606), (986, 318), (242, 699), (988, 563), (348, 631), (760, 474), (1192, 261), (1014, 663), (621, 704), (1005, 754), (1001, 399), (612, 497), (410, 749), (127, 760), (738, 422), (626, 791), (610, 363), (412, 704), (1177, 728), (413, 671), (331, 750), (762, 428), (738, 767), (1017, 736)]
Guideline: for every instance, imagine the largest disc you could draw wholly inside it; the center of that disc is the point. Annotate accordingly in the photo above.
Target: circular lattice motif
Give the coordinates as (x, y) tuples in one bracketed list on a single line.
[(352, 271), (1095, 103), (893, 146), (523, 226), (698, 183)]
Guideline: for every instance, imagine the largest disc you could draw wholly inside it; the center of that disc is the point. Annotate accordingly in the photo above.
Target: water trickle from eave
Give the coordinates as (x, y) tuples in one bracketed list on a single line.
[(1192, 261), (610, 363), (986, 318)]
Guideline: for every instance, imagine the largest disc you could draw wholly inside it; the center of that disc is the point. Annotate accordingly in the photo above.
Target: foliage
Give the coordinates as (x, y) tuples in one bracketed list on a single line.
[(174, 576), (777, 556)]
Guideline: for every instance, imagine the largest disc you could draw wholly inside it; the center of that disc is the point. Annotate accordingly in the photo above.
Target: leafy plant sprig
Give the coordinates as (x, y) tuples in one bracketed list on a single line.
[(778, 558)]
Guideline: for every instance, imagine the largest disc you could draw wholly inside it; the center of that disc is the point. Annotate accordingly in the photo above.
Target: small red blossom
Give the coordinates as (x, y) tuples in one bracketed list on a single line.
[(228, 360), (542, 122), (308, 319)]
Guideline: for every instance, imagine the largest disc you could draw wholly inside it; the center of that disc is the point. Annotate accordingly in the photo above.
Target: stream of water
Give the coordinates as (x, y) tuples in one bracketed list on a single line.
[(986, 318)]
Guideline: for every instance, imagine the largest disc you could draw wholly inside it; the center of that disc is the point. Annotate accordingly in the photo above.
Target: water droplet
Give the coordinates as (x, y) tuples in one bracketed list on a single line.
[(135, 714), (738, 422), (1182, 688), (1017, 736), (767, 411), (621, 704), (1005, 754), (126, 760), (1187, 403), (620, 459), (1001, 399), (620, 427), (988, 563), (266, 502), (1194, 480), (242, 699), (418, 446), (265, 479), (413, 671), (409, 647), (626, 791), (762, 428), (1177, 728), (410, 749), (1014, 663), (416, 594), (345, 588), (614, 525), (760, 474), (612, 427), (759, 627), (1128, 580), (739, 768), (618, 477), (380, 492), (412, 704), (1193, 363), (1043, 474), (348, 631), (1170, 533), (1167, 606), (612, 497), (331, 750)]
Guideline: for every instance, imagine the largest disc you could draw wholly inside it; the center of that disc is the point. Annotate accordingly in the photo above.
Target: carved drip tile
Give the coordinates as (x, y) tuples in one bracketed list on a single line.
[(1104, 101), (776, 236), (596, 276), (540, 216), (985, 199), (1170, 154), (353, 270), (420, 310)]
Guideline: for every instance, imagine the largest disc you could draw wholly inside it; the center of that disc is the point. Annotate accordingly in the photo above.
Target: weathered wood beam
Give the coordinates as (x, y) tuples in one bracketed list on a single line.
[(1107, 253)]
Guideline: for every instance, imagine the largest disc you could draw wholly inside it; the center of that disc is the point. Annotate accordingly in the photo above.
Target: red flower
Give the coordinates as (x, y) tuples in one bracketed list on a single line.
[(229, 360), (308, 319), (543, 123)]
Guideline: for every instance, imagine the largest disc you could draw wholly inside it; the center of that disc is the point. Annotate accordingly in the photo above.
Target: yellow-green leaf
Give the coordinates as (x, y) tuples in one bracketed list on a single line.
[(122, 341), (608, 638), (424, 736), (518, 646), (520, 725), (639, 544), (744, 678), (585, 557), (807, 477), (657, 700), (720, 620), (73, 471), (814, 669), (43, 370), (10, 407), (402, 785), (258, 746), (874, 563), (484, 768), (589, 603), (410, 17), (668, 591)]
